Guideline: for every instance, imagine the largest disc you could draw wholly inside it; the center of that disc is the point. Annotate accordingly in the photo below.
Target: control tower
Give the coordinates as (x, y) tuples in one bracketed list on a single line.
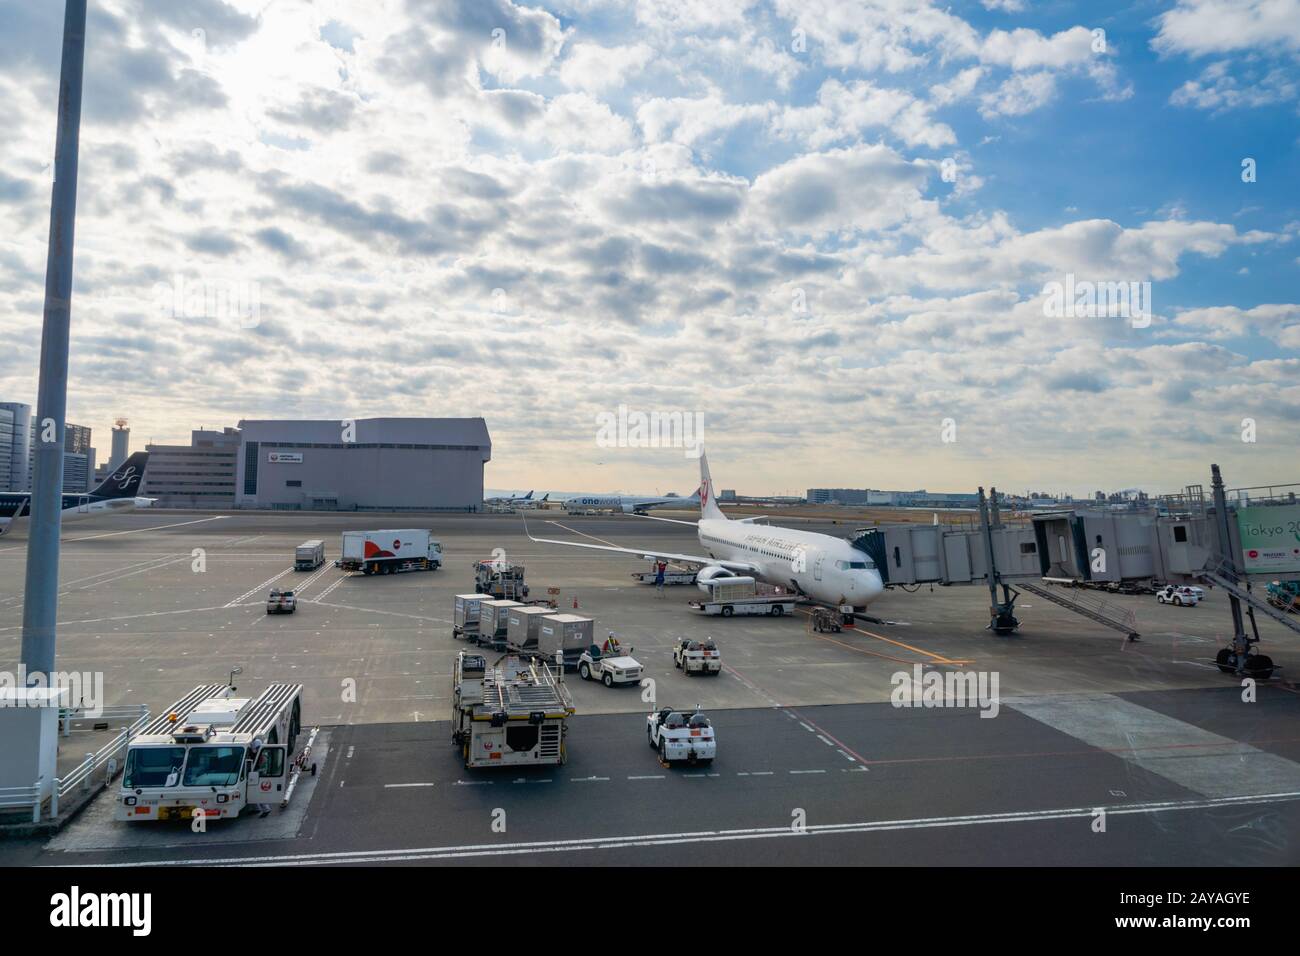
[(121, 438)]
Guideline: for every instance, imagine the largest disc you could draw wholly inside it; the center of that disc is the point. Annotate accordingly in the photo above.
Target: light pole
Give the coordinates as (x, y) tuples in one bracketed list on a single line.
[(41, 589)]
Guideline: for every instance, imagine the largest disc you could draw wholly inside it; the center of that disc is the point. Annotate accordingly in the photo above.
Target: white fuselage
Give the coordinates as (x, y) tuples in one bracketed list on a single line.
[(825, 568)]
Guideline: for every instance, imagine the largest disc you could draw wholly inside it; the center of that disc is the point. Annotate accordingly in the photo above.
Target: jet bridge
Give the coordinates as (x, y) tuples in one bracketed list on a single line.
[(1183, 539)]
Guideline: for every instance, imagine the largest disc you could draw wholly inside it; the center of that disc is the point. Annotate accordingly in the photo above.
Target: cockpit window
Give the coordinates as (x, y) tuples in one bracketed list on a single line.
[(864, 565)]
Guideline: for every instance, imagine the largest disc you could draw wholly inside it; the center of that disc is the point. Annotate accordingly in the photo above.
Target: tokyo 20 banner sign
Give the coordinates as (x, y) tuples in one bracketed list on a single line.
[(1270, 539)]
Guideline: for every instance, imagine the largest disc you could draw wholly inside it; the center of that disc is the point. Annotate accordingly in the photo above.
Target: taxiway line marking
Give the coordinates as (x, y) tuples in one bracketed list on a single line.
[(259, 587), (937, 658), (713, 836), (160, 527)]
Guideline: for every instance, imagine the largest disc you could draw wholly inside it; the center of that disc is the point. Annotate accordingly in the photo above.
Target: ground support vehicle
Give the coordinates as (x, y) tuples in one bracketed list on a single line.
[(681, 735), (211, 753), (390, 551), (508, 714), (697, 657)]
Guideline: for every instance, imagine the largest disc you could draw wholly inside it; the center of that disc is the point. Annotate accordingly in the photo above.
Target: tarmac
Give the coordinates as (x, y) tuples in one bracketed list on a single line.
[(1093, 750)]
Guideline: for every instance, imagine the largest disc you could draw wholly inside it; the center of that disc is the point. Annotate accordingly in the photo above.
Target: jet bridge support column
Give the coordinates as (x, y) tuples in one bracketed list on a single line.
[(1239, 653), (1002, 618)]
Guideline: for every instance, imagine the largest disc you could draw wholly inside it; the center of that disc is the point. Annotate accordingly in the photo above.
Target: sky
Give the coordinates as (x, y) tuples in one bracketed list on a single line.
[(832, 234)]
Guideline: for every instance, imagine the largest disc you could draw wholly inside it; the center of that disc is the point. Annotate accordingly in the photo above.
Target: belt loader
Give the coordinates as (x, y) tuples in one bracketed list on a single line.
[(509, 714), (212, 753)]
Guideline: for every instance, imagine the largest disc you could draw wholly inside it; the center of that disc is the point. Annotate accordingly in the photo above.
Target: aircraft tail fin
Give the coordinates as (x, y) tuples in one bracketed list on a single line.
[(124, 480), (708, 506)]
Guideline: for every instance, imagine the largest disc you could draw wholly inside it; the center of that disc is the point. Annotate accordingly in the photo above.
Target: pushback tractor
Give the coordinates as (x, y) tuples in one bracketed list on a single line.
[(511, 713), (212, 753)]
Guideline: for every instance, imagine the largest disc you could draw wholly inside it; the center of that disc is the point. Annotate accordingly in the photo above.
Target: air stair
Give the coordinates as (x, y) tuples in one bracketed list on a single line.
[(1078, 601), (1223, 576)]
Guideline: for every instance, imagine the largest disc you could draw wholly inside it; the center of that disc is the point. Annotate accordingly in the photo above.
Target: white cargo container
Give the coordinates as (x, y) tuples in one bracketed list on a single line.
[(568, 633), (524, 626), (309, 555), (390, 550), (465, 619), (494, 621)]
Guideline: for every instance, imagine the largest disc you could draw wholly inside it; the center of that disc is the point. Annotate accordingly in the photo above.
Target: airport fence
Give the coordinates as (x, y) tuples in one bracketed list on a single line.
[(19, 798), (108, 758)]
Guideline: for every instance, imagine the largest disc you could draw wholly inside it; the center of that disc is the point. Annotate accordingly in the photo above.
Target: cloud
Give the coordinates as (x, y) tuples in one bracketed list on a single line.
[(1200, 27), (1217, 89), (592, 68), (862, 187)]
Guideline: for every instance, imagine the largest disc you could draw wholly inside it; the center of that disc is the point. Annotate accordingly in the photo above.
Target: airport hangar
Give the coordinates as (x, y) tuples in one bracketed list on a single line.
[(366, 464)]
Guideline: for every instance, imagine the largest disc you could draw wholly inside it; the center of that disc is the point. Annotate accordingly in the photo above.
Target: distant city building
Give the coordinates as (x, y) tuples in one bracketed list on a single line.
[(121, 441), (78, 460), (15, 446), (198, 475), (370, 464)]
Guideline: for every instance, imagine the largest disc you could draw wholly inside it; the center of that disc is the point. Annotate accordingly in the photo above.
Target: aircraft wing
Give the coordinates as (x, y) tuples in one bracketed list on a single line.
[(646, 553)]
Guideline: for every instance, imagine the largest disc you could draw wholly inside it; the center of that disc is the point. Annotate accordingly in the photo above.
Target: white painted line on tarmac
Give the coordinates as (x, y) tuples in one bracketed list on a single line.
[(474, 783), (657, 776), (160, 527), (805, 771), (399, 786), (588, 779), (260, 587), (710, 836)]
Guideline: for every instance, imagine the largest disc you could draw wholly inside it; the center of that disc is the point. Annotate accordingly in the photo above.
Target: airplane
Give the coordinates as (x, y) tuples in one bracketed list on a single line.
[(115, 493), (533, 503), (627, 504), (823, 567), (508, 500)]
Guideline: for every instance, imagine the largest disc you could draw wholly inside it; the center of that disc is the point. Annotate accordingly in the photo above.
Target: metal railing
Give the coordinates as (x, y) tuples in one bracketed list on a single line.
[(82, 776), (109, 714), (18, 798)]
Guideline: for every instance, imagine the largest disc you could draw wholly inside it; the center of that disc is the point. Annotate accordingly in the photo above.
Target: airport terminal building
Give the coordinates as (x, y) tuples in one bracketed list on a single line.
[(370, 464)]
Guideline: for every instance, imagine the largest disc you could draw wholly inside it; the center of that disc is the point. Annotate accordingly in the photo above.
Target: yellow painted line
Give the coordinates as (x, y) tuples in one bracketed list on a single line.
[(937, 657), (862, 650)]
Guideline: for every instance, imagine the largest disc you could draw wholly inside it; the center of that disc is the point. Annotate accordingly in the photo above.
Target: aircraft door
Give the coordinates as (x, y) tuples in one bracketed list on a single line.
[(83, 504), (817, 567)]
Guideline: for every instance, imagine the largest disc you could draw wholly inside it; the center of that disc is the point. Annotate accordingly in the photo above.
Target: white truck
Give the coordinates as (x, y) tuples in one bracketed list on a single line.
[(697, 657), (730, 596), (281, 602), (609, 665), (212, 753), (678, 735), (309, 555), (390, 550)]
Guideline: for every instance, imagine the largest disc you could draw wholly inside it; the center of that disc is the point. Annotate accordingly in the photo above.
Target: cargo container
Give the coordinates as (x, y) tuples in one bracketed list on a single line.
[(494, 621), (465, 617), (390, 550), (309, 556), (524, 626), (569, 633)]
